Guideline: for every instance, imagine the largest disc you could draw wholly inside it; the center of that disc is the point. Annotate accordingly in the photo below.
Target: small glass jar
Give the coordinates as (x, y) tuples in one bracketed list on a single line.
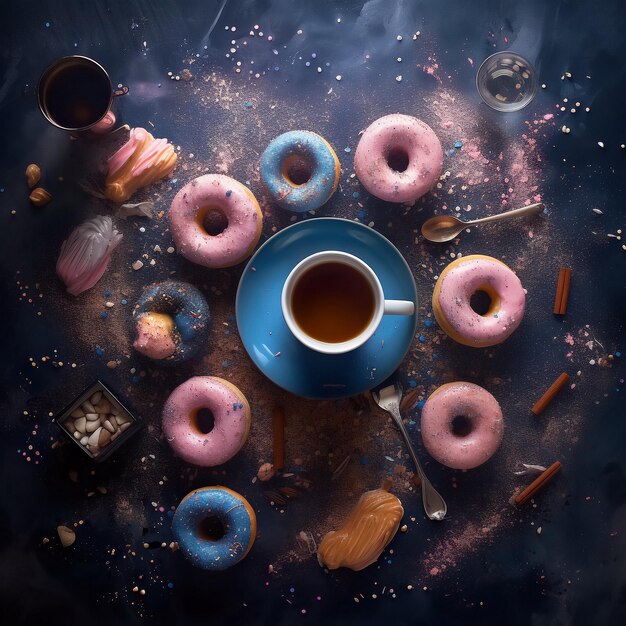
[(506, 81)]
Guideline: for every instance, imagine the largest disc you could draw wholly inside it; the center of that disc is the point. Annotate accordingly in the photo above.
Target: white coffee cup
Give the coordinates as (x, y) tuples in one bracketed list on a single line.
[(381, 306)]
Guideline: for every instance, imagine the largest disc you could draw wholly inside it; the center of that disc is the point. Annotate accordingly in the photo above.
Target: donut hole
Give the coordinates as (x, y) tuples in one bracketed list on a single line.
[(461, 426), (481, 302), (398, 159), (204, 421), (214, 222), (297, 170), (211, 528)]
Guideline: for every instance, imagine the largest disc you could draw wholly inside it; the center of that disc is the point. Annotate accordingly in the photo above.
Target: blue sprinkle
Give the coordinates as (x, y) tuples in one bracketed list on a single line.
[(47, 24), (237, 406), (618, 354), (1, 189), (292, 590), (308, 63), (363, 460), (99, 351), (174, 181), (248, 104), (458, 144), (355, 194), (327, 64), (104, 314), (170, 585), (361, 215), (412, 383), (313, 55), (451, 152), (389, 561), (124, 301), (347, 149), (421, 403), (412, 422), (422, 338), (75, 45), (225, 364), (276, 68), (228, 193), (107, 294), (428, 323), (135, 379)]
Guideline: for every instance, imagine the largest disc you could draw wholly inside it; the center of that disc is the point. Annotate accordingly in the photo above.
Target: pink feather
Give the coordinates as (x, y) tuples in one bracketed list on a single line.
[(86, 253)]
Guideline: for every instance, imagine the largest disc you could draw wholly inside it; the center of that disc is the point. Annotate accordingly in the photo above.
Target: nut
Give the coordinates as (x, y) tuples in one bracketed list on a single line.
[(33, 174), (39, 196), (66, 535)]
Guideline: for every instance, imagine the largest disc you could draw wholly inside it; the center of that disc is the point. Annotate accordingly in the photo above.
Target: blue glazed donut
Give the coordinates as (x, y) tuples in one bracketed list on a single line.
[(171, 322), (215, 527), (300, 170)]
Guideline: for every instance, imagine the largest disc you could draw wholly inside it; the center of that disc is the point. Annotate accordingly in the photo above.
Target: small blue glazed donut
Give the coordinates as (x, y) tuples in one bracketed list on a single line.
[(215, 527), (171, 322), (300, 170)]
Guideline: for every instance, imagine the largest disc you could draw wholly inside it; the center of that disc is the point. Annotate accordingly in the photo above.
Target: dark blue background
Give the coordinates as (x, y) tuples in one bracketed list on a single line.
[(577, 574)]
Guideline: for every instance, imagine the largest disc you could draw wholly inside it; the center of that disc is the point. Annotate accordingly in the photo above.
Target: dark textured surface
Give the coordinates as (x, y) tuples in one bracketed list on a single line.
[(498, 569)]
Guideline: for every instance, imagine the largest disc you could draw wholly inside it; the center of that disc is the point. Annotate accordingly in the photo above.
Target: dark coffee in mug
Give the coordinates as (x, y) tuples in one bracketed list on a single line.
[(333, 302), (75, 93)]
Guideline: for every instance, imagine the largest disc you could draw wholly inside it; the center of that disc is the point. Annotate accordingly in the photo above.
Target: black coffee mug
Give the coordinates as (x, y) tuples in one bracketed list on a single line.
[(75, 94)]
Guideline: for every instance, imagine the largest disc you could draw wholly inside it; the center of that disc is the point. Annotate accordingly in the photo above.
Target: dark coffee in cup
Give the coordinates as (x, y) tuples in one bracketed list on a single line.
[(333, 302), (75, 93)]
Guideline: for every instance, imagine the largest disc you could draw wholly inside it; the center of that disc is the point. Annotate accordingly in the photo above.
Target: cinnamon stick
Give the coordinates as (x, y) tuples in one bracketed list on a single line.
[(278, 432), (565, 295), (538, 483), (409, 401), (548, 396), (559, 291)]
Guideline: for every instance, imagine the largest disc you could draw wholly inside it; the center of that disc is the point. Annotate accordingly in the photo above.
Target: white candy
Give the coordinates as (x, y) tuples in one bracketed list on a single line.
[(91, 427), (96, 397), (84, 440), (80, 424), (93, 438), (109, 426), (92, 417)]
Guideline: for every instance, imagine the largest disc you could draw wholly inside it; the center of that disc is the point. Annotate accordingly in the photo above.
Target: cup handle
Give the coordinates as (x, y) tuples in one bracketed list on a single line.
[(399, 307)]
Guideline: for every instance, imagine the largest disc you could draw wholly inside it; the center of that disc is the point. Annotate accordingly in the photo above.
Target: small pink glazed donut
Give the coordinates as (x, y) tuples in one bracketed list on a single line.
[(198, 200), (398, 159), (185, 428), (461, 425), (452, 303)]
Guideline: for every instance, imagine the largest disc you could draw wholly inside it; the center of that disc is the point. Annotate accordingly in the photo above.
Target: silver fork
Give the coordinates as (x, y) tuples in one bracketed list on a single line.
[(388, 398)]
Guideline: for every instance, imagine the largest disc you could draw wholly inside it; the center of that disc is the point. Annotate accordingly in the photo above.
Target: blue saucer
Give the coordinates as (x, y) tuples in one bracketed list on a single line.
[(268, 340)]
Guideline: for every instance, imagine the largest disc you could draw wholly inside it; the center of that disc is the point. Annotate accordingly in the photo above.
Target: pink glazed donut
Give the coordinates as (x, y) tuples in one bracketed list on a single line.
[(452, 304), (461, 425), (185, 428), (398, 159), (196, 201)]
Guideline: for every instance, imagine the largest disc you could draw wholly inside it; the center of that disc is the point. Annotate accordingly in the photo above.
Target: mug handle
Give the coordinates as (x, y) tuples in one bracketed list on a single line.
[(399, 307)]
